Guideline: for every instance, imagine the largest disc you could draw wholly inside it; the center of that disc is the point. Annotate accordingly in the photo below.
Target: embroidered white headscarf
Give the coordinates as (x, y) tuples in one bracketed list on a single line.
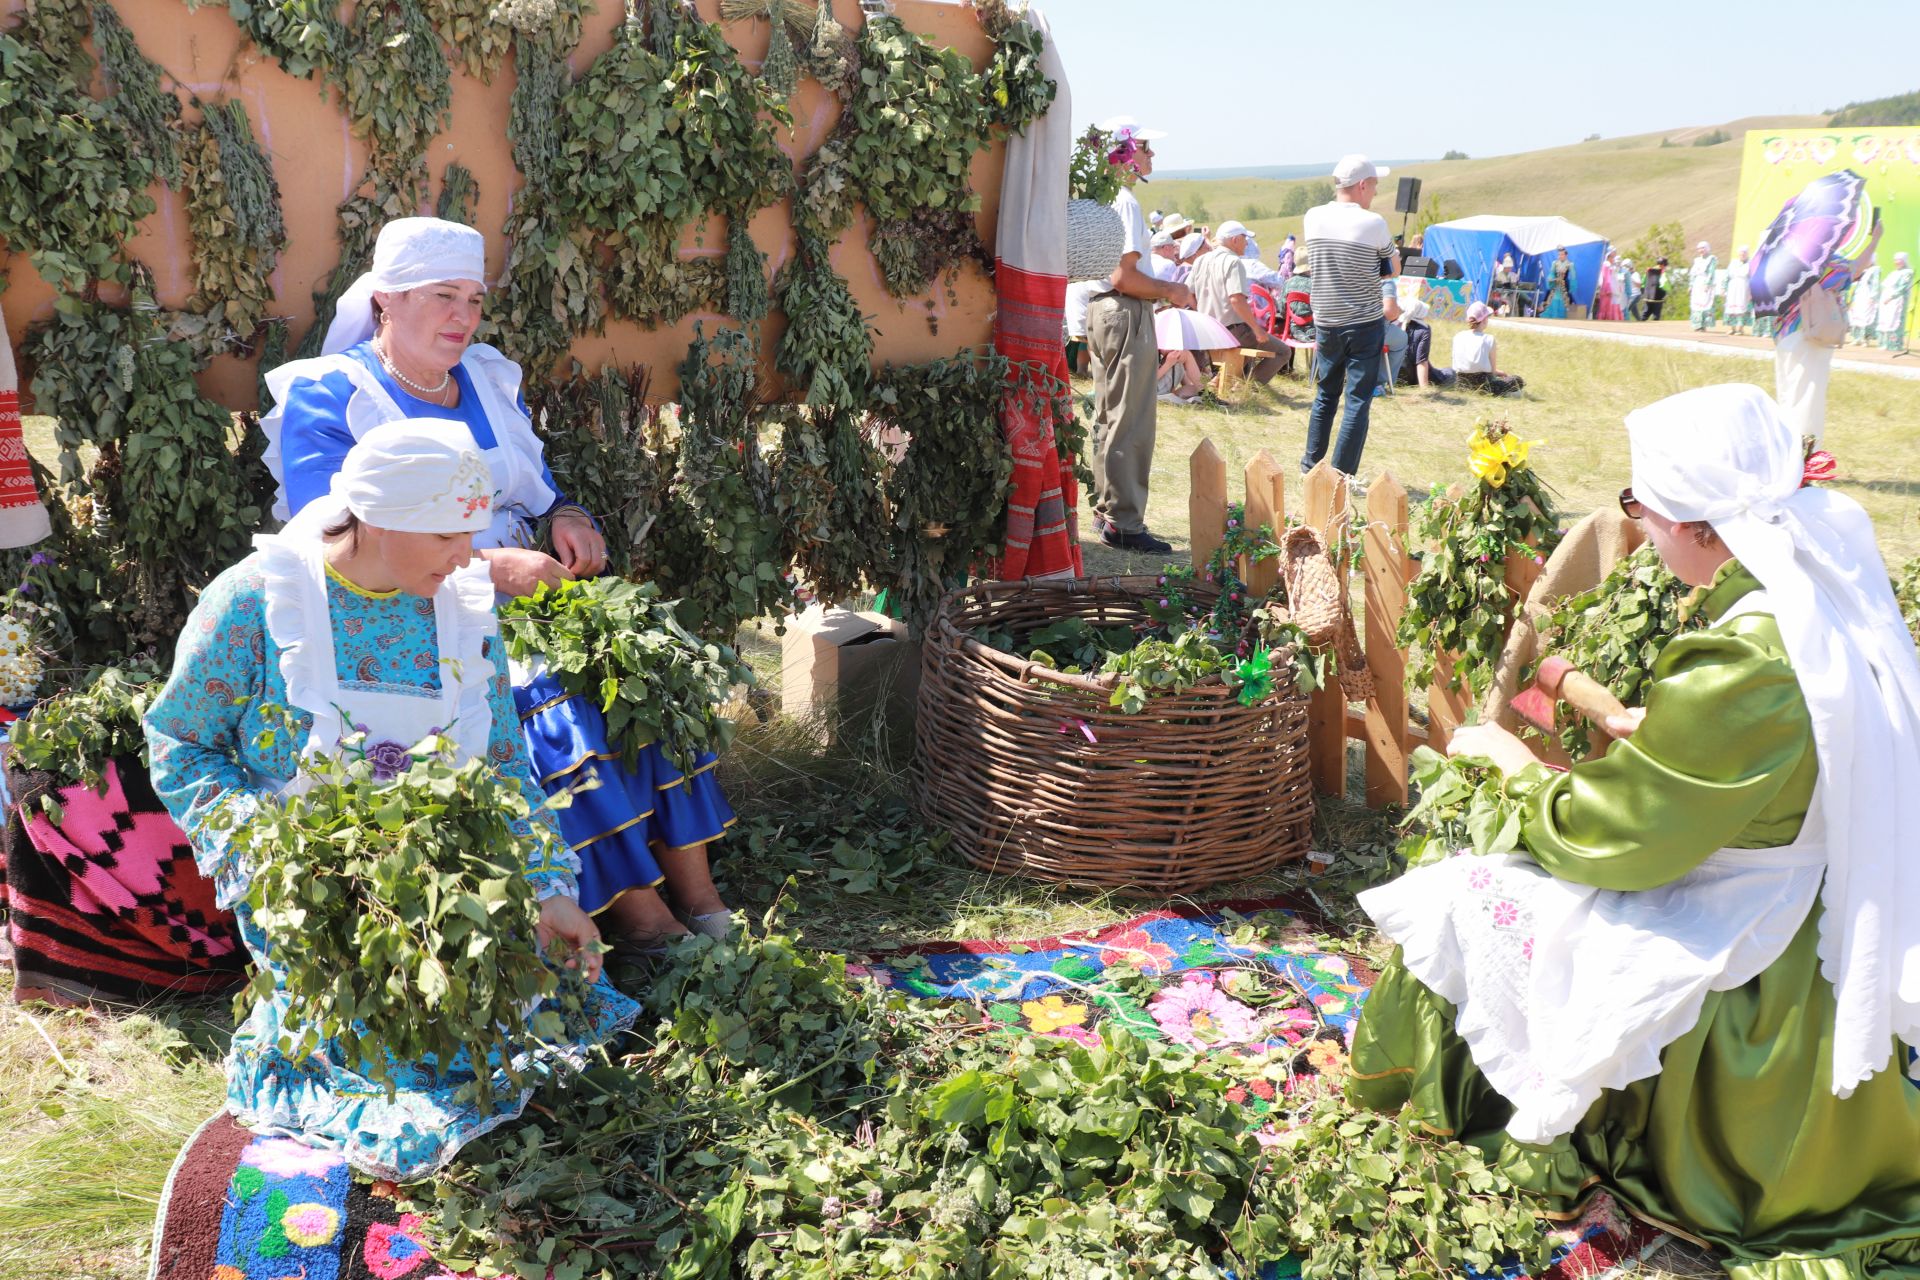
[(410, 253), (416, 475), (1724, 455)]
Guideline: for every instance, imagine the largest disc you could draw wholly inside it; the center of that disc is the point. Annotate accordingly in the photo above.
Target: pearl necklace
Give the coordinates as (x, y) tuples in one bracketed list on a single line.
[(380, 350)]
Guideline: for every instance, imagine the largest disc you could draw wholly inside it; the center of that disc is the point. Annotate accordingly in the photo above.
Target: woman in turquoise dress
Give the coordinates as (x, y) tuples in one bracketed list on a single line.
[(401, 344), (379, 628), (1559, 286), (1695, 984)]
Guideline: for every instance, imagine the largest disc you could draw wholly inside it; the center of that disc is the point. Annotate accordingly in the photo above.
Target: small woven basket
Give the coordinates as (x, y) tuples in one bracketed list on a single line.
[(1035, 773), (1095, 237)]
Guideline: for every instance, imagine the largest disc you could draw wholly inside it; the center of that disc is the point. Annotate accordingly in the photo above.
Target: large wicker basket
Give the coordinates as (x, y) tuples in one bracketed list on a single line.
[(1035, 774)]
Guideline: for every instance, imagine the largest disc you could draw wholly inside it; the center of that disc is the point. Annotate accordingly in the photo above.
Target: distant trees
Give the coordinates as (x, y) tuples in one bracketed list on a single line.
[(1713, 139), (1255, 213), (1592, 137), (1663, 240), (1454, 155), (1304, 195), (1898, 111)]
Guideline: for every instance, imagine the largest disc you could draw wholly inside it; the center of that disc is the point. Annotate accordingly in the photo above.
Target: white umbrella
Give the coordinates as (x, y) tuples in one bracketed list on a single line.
[(1190, 331)]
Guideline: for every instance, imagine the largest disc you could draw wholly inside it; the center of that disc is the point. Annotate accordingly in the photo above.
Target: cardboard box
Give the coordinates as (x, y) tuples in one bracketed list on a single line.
[(843, 667)]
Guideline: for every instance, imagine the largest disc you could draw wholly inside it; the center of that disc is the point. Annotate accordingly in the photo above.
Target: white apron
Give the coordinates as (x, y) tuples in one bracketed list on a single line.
[(521, 494), (301, 624), (1564, 991)]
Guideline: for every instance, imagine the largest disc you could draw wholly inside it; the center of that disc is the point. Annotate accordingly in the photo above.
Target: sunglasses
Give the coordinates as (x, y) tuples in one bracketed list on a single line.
[(1630, 505)]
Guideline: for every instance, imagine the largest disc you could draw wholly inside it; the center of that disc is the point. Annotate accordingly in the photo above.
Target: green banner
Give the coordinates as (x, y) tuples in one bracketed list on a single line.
[(1778, 163)]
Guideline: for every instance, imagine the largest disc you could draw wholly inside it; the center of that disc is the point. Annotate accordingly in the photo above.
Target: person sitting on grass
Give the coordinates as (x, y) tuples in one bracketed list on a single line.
[(369, 615), (1181, 379), (1418, 369), (1475, 363), (1694, 983)]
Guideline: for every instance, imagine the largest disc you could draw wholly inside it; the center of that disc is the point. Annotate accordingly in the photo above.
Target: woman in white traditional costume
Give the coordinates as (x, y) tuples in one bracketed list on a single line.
[(1700, 281), (1896, 296), (1739, 292), (401, 345), (1698, 982), (1863, 305), (365, 616)]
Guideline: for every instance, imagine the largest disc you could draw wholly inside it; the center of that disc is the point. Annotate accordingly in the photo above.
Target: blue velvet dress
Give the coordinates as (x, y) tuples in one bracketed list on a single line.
[(616, 826)]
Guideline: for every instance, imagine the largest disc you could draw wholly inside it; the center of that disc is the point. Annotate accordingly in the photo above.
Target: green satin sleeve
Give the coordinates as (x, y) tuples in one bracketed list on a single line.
[(1724, 760)]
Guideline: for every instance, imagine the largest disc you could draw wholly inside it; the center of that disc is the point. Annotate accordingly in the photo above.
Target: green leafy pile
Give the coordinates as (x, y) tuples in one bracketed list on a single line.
[(621, 646), (663, 130), (784, 1124), (74, 173), (171, 488), (720, 544), (1906, 593), (1363, 1196), (949, 493), (826, 351), (1615, 633), (849, 844), (234, 217), (401, 915), (913, 121), (1016, 84), (1464, 804), (608, 452), (826, 485), (1460, 604), (95, 719), (134, 94)]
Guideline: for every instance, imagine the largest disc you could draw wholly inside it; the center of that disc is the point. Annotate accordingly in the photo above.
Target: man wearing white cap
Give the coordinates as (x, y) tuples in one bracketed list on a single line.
[(1165, 257), (1351, 251), (1700, 276), (1126, 357), (1219, 283)]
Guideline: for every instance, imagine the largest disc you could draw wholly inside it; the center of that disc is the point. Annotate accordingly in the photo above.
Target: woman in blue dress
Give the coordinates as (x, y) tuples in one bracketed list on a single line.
[(1559, 286), (401, 345), (362, 617)]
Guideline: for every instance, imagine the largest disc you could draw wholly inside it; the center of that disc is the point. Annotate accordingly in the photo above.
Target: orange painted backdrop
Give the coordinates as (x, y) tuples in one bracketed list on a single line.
[(317, 163)]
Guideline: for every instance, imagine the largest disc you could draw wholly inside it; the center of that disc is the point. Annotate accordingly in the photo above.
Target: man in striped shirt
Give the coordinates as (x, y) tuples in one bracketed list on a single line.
[(1351, 251)]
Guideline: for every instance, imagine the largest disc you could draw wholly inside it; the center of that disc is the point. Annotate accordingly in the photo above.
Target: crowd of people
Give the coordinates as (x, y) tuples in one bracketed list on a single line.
[(1333, 297)]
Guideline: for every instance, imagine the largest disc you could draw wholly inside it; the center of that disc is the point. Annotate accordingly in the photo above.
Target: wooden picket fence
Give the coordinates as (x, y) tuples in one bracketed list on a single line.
[(1381, 724)]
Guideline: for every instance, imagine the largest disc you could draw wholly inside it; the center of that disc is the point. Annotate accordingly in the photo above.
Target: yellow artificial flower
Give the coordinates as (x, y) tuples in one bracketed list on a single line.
[(1493, 460), (1050, 1013)]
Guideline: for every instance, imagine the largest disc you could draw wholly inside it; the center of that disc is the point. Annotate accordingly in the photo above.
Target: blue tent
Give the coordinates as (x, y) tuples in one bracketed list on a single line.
[(1479, 243)]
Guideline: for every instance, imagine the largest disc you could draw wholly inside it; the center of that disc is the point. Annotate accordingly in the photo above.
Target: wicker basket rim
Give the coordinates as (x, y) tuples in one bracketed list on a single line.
[(1025, 670)]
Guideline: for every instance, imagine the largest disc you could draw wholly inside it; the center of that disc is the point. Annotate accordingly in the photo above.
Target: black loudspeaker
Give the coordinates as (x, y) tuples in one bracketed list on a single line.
[(1407, 198), (1451, 269), (1416, 265)]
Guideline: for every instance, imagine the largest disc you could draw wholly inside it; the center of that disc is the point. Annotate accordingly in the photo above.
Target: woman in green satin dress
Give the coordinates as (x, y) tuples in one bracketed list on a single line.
[(1686, 887)]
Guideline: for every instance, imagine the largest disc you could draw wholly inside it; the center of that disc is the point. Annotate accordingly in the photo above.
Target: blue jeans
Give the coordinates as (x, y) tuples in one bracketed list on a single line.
[(1347, 356)]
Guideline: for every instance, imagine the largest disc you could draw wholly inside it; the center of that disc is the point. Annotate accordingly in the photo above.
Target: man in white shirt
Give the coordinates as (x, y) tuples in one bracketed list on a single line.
[(1219, 283), (1351, 251), (1126, 361), (1166, 257)]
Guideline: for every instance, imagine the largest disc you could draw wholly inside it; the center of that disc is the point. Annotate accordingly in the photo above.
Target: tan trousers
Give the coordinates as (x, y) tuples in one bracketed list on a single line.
[(1126, 361)]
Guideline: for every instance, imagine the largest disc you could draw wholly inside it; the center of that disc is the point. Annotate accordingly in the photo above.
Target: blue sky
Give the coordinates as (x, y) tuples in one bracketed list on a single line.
[(1549, 72)]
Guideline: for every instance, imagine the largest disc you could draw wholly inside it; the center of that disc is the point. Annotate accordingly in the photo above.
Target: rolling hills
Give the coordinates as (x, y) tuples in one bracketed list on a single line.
[(1617, 187)]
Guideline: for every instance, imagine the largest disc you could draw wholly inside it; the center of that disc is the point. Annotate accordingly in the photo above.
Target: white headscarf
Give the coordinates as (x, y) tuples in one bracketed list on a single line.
[(1724, 455), (416, 475), (410, 253)]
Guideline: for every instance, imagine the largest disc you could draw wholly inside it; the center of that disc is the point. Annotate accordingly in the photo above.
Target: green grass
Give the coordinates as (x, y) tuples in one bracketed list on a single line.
[(1615, 187), (1577, 397), (94, 1111)]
